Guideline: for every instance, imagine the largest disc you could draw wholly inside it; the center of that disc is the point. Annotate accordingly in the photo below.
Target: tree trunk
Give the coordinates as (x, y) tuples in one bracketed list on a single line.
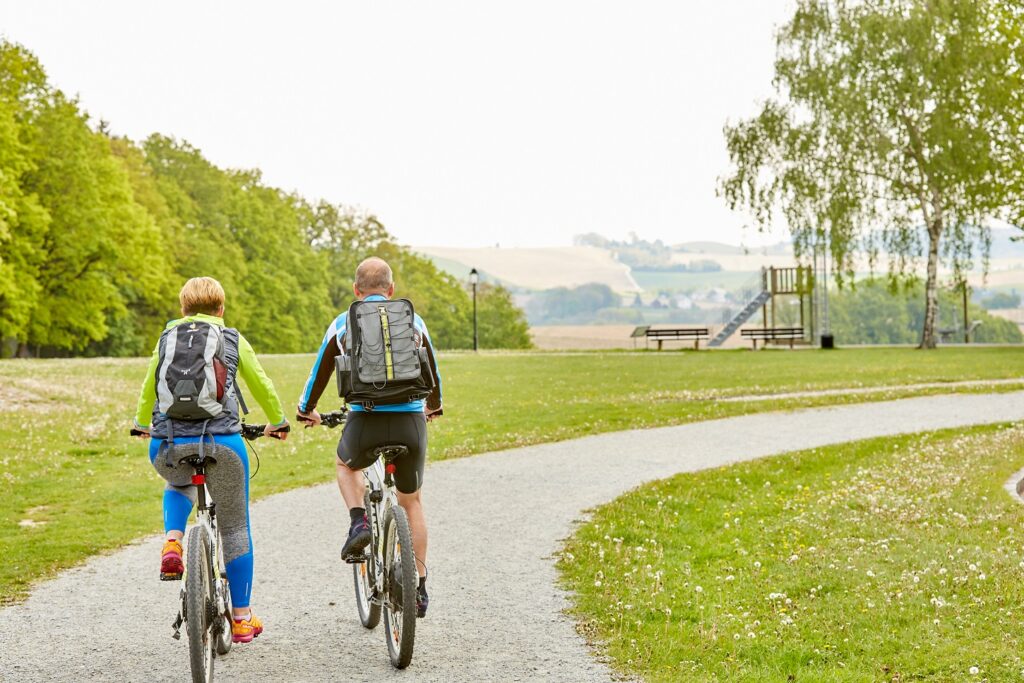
[(931, 288)]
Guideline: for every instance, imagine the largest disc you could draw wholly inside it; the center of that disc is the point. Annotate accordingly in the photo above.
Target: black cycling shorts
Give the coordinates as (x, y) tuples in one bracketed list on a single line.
[(365, 431)]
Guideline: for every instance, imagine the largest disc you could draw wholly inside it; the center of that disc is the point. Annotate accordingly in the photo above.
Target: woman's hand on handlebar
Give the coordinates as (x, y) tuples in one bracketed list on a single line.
[(277, 431), (310, 419), (140, 433)]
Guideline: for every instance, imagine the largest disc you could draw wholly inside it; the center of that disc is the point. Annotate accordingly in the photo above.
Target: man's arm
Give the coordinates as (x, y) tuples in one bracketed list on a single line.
[(323, 368), (147, 397), (434, 400), (258, 383)]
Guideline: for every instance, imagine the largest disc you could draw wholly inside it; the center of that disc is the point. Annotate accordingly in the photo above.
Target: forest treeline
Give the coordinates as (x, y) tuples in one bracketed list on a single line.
[(98, 232)]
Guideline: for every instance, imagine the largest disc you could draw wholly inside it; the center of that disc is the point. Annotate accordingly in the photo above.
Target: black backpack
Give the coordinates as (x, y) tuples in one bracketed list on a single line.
[(384, 359), (191, 375)]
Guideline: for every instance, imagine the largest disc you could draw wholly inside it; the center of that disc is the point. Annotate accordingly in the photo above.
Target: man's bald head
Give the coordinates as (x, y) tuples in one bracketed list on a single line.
[(373, 276)]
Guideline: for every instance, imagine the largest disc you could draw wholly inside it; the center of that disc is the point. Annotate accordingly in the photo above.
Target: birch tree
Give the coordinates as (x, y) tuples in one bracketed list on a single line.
[(896, 128)]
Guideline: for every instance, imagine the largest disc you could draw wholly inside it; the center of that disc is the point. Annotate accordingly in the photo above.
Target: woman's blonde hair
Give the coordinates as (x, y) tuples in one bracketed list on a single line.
[(201, 295)]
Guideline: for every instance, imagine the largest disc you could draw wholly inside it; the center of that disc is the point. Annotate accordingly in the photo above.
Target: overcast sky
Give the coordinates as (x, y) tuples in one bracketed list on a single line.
[(458, 123)]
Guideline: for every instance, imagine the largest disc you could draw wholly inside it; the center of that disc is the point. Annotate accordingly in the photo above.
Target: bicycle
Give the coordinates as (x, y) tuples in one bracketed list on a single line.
[(206, 609), (385, 578)]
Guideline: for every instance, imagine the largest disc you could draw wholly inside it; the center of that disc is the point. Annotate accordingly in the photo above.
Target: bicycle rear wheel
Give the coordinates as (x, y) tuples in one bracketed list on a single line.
[(200, 608), (400, 578), (364, 575)]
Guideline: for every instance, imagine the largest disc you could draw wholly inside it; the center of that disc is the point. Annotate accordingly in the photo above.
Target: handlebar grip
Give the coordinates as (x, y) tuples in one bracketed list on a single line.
[(275, 433)]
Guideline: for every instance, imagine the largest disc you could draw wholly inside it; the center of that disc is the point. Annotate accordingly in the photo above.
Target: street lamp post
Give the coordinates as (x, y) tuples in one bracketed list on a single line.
[(474, 278)]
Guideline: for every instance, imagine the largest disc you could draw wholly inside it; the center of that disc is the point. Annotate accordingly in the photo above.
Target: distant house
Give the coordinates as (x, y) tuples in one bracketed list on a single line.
[(684, 302), (662, 301)]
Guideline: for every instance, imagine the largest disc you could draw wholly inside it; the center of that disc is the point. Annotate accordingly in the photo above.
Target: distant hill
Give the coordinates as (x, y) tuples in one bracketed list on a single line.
[(1003, 245), (779, 249), (537, 268)]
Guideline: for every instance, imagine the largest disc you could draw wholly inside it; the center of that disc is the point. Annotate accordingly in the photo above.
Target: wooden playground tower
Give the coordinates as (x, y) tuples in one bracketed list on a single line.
[(783, 284)]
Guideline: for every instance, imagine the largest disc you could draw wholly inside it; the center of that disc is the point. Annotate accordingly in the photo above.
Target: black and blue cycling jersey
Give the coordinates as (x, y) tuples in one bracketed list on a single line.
[(331, 347)]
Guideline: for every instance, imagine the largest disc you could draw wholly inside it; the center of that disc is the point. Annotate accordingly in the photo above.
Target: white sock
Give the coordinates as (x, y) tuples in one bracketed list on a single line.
[(248, 616)]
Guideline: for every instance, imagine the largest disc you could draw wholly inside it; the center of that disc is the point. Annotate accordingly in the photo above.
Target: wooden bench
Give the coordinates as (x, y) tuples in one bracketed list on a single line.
[(774, 334), (694, 334)]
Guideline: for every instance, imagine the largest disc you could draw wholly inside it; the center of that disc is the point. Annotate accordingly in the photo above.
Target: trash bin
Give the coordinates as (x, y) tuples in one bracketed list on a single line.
[(827, 341)]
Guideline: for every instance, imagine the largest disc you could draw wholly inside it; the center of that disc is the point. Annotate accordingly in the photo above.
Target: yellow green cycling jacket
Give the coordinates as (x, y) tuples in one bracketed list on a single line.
[(240, 360)]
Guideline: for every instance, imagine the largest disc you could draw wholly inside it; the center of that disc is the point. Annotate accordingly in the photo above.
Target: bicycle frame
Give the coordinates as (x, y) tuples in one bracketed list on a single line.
[(206, 516), (380, 482)]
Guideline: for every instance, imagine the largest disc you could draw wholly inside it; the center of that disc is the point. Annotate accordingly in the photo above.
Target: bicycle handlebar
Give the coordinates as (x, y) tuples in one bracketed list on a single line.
[(255, 431), (249, 431), (333, 418)]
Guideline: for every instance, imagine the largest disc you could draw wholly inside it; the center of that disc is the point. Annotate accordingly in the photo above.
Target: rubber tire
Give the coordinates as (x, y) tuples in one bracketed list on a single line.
[(401, 656), (370, 616), (224, 640), (198, 591)]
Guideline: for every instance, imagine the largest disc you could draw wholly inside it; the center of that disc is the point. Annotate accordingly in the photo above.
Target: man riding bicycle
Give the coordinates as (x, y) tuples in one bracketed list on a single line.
[(196, 353), (369, 425)]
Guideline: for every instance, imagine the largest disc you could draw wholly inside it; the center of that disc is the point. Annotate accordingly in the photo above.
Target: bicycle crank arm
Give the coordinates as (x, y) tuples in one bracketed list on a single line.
[(177, 627)]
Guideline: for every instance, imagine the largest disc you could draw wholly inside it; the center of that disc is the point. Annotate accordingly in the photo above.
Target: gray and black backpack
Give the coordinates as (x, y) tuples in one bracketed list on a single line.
[(191, 376), (385, 359)]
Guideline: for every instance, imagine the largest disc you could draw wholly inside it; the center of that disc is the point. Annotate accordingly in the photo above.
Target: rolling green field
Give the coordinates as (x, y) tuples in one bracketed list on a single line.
[(652, 281), (72, 483), (884, 560)]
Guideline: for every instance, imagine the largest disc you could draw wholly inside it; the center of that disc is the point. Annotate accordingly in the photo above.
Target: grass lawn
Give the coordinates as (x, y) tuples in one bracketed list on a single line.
[(72, 483), (884, 560)]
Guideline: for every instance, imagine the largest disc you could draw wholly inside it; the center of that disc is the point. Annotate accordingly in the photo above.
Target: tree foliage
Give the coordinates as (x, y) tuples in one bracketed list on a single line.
[(897, 126), (872, 313), (97, 233)]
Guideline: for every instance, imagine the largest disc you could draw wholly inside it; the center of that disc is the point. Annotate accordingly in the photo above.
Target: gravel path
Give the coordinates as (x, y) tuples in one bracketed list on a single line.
[(496, 519)]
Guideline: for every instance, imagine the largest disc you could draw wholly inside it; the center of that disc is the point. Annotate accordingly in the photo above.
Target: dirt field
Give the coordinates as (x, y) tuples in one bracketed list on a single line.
[(591, 337)]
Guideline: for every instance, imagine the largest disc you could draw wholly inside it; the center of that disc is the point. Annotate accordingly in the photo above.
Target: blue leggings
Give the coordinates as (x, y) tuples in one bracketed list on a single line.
[(228, 482)]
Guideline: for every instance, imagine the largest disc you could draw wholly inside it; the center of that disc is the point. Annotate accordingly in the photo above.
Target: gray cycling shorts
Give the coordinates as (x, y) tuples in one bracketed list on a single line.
[(365, 431)]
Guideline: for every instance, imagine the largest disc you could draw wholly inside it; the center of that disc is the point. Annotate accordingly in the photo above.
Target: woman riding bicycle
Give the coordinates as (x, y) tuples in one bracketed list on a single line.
[(181, 372)]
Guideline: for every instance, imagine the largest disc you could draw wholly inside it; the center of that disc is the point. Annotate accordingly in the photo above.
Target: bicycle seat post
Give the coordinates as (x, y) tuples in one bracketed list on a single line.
[(199, 481)]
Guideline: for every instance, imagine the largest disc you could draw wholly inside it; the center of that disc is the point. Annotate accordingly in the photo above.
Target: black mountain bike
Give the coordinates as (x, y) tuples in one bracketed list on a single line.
[(205, 598), (385, 577)]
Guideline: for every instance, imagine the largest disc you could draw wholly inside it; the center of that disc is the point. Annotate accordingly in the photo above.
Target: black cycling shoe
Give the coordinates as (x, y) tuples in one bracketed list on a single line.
[(358, 539), (422, 600)]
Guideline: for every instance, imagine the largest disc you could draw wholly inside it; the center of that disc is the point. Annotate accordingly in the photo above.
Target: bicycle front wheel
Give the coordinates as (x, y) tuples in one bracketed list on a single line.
[(200, 608), (400, 577), (364, 576)]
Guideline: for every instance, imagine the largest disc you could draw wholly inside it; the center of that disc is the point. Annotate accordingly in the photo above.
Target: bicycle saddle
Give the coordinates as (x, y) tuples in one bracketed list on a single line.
[(390, 452)]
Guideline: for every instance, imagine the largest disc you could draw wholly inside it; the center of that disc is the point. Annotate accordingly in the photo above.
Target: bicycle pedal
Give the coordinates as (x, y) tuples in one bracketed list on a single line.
[(177, 627), (170, 577), (355, 560)]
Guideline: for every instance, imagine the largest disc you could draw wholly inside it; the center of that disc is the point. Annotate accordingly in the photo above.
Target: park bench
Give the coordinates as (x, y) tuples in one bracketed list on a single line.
[(774, 334), (694, 334)]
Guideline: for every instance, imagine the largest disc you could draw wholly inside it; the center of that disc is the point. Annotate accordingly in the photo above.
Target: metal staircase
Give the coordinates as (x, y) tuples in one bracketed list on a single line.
[(741, 317)]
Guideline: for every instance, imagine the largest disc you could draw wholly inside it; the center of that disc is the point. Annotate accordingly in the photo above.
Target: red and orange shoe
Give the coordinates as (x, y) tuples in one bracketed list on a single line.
[(171, 566), (245, 630)]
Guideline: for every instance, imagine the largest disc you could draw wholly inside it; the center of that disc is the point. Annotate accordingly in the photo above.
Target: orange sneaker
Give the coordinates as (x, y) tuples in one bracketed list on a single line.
[(245, 630), (171, 566)]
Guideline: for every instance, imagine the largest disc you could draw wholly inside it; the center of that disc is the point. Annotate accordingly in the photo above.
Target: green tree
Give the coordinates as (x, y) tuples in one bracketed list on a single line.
[(347, 236), (872, 312), (889, 115), (99, 244), (98, 233), (23, 220), (501, 324)]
